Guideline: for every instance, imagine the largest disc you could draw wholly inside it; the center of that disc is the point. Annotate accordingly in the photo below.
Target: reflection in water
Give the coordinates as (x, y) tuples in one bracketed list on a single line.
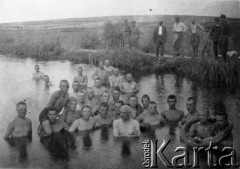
[(126, 147), (87, 141), (104, 133)]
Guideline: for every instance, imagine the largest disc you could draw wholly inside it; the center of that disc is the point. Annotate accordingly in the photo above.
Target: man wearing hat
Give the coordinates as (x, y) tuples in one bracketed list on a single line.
[(160, 38), (135, 36), (214, 36), (126, 34)]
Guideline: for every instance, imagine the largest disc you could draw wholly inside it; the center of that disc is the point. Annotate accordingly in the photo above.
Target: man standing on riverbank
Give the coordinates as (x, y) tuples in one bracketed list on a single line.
[(101, 74), (214, 35), (135, 36), (126, 34), (178, 29), (160, 38)]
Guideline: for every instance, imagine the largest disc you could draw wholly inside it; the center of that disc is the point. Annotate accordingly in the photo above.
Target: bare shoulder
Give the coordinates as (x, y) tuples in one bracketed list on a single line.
[(29, 120)]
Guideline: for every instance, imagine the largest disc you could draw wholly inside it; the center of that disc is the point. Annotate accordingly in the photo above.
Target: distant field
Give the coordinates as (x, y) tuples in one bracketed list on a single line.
[(69, 33)]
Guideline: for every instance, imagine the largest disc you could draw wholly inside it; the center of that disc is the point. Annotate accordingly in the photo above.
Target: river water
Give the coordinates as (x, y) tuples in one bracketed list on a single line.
[(97, 149)]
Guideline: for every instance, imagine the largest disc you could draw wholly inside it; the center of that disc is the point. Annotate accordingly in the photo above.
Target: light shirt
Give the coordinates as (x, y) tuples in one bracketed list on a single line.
[(122, 128), (194, 28), (160, 30), (179, 27)]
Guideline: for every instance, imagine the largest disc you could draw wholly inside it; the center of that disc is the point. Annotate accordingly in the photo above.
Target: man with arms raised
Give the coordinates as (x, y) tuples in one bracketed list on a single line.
[(126, 126)]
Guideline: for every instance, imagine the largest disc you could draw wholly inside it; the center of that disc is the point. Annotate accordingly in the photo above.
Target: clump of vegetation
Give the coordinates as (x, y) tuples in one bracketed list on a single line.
[(90, 40)]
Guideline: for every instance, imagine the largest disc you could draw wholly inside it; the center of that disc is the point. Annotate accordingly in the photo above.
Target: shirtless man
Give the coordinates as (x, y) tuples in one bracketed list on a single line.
[(136, 109), (152, 117), (98, 89), (115, 80), (202, 129), (84, 123), (108, 68), (117, 106), (47, 81), (192, 112), (81, 102), (91, 100), (52, 124), (75, 88), (101, 74), (172, 114), (103, 118), (37, 75), (128, 88), (145, 99), (70, 115), (20, 126), (58, 100), (82, 79), (115, 97), (105, 97), (126, 126)]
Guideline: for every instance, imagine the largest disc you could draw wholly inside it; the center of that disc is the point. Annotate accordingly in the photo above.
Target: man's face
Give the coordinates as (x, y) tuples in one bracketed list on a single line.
[(103, 111), (52, 115), (46, 79), (80, 70), (129, 78), (101, 65), (86, 112), (36, 68), (117, 107), (220, 121), (73, 105), (145, 102), (203, 117), (106, 97), (115, 72), (133, 101), (172, 103), (190, 106), (177, 20), (81, 97), (22, 110), (64, 87), (75, 86), (97, 83), (152, 109), (116, 95), (90, 93), (125, 115)]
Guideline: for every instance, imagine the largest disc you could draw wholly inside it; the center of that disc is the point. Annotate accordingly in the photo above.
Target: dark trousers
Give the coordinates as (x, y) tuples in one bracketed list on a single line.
[(223, 46), (215, 49), (160, 46)]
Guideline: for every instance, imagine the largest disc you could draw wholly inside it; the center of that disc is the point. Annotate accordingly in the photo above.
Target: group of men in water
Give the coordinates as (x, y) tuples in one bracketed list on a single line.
[(112, 101)]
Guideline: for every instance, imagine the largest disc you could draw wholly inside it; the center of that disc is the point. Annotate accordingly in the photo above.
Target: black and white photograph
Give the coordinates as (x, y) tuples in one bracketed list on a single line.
[(119, 84)]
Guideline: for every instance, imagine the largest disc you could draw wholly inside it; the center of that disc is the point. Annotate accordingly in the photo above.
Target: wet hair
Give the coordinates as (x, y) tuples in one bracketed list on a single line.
[(21, 103), (80, 67), (104, 105), (133, 96), (86, 106), (65, 81), (146, 97), (116, 89), (75, 82), (152, 102), (192, 99), (71, 99), (37, 66), (171, 97), (46, 76), (119, 101)]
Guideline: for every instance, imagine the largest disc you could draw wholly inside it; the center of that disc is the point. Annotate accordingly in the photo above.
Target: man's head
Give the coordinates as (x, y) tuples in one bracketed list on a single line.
[(72, 103), (193, 21), (172, 100), (52, 114), (76, 86), (223, 18), (203, 116), (64, 85), (103, 109), (80, 70), (117, 106), (115, 72), (125, 112), (152, 108), (160, 23), (101, 64), (46, 78), (97, 82), (129, 77), (90, 92), (145, 101), (116, 93), (107, 62), (21, 109), (86, 112), (191, 104), (177, 19), (133, 101), (221, 120), (81, 97), (36, 67), (105, 97)]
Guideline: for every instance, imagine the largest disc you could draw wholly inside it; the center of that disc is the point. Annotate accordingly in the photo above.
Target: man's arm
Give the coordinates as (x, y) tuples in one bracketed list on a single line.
[(30, 131), (140, 118), (136, 131), (9, 130), (74, 126), (53, 99), (110, 81), (47, 128)]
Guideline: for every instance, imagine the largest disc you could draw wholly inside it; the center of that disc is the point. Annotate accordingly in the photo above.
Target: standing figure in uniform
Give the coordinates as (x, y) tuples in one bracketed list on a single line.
[(214, 35), (160, 38), (126, 34), (135, 36)]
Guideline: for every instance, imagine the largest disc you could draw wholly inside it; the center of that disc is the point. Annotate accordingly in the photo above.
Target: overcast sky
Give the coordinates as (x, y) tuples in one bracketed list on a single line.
[(30, 10)]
